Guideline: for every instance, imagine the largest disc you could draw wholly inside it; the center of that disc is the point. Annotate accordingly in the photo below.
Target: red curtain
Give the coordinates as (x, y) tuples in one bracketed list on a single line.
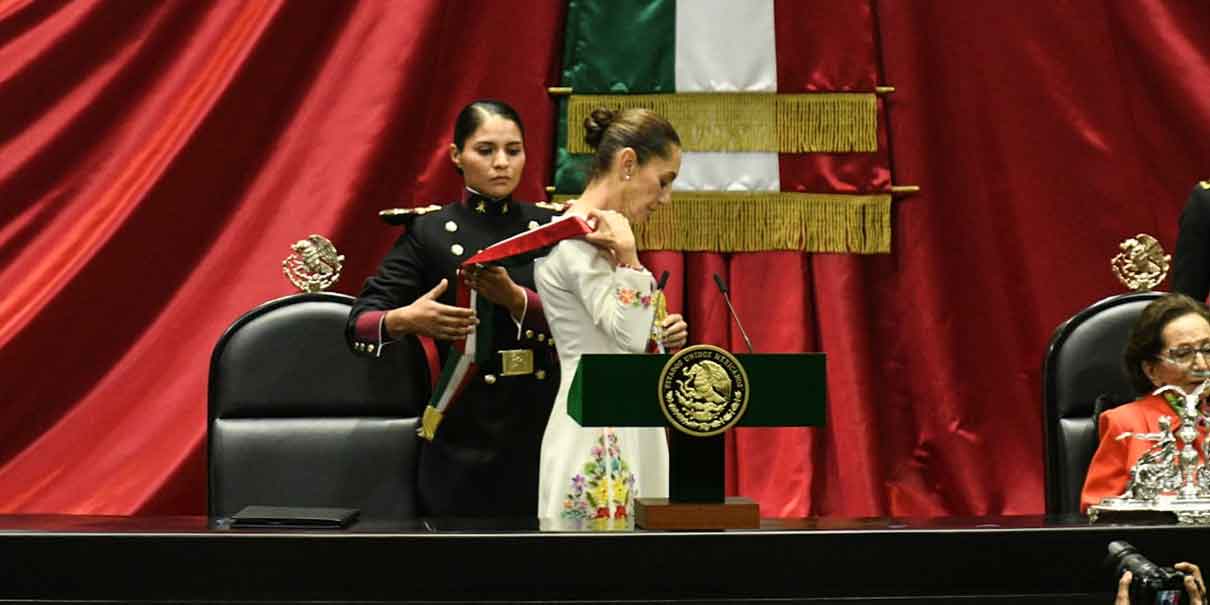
[(157, 159)]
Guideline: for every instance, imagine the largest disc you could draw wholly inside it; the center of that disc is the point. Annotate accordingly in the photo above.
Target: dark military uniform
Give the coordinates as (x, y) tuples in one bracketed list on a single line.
[(484, 458), (1191, 262)]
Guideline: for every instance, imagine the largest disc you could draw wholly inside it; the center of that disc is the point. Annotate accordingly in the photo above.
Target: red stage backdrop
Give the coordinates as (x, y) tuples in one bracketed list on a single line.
[(158, 158)]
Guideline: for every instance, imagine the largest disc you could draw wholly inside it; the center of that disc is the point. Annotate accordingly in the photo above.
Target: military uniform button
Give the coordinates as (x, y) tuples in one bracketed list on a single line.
[(541, 337), (489, 378), (370, 348), (533, 224), (451, 226), (540, 374), (529, 333), (456, 249)]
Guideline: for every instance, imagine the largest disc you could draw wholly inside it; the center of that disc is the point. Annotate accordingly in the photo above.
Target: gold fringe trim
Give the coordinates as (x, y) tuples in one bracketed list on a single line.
[(751, 122), (721, 221)]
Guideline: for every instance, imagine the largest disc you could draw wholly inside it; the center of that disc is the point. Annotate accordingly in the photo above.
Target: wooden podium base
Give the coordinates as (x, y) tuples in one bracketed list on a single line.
[(660, 513)]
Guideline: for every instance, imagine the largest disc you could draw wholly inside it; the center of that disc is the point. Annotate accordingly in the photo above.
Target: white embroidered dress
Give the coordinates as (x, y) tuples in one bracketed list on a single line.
[(591, 474)]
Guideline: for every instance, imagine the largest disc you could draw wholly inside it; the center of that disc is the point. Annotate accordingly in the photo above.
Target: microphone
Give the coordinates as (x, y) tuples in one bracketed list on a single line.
[(722, 287), (663, 281)]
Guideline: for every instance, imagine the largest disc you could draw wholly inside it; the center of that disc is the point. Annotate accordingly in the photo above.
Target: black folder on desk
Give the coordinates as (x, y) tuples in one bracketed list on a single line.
[(305, 517)]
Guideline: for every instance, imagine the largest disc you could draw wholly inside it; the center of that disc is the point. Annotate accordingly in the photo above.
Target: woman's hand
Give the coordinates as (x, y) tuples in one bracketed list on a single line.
[(674, 332), (495, 285), (427, 317), (613, 233)]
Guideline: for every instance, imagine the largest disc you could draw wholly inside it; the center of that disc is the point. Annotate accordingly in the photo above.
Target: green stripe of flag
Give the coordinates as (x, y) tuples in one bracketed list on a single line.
[(622, 46)]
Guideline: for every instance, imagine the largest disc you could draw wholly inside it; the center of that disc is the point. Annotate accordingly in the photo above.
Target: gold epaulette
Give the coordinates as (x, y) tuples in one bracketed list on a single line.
[(1204, 184), (404, 216), (554, 206)]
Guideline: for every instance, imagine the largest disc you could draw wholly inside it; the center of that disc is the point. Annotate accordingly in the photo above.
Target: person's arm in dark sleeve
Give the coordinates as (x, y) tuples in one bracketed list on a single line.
[(1191, 262), (533, 318), (398, 282)]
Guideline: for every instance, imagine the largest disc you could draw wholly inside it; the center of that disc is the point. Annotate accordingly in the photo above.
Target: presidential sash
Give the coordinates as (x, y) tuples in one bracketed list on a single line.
[(466, 355)]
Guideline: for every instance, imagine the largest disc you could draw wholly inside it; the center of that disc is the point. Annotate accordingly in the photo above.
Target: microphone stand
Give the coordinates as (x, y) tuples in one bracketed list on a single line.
[(722, 287)]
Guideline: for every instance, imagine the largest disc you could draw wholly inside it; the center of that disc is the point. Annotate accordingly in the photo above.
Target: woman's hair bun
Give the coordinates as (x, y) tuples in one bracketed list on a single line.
[(595, 126)]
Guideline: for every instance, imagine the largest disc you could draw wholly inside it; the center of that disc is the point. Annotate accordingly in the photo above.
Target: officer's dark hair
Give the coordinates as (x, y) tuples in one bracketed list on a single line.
[(477, 112), (643, 130), (1146, 340)]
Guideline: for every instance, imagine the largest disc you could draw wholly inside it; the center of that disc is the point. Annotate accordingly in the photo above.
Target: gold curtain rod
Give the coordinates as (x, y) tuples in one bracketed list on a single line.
[(564, 91), (898, 190)]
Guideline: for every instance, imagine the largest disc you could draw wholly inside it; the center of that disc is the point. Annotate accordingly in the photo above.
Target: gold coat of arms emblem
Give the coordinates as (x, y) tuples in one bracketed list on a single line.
[(1141, 264), (703, 390), (313, 264)]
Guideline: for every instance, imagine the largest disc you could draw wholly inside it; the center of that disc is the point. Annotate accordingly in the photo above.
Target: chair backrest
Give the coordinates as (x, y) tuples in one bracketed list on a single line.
[(1083, 363), (295, 418)]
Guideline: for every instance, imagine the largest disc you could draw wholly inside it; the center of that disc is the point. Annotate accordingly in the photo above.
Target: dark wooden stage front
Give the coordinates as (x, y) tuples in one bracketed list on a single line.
[(1016, 559)]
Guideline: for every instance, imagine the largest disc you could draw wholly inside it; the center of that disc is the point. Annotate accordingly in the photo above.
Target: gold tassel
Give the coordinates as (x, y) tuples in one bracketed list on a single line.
[(748, 122), (725, 221)]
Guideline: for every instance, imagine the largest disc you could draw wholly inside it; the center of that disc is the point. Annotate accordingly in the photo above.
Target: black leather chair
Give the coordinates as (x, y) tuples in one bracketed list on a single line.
[(296, 419), (1082, 376)]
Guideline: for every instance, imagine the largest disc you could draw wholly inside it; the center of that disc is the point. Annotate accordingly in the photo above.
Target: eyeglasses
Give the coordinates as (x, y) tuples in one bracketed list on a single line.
[(1183, 356)]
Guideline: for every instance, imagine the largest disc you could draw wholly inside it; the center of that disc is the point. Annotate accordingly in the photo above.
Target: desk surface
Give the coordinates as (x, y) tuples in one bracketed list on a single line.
[(1017, 559)]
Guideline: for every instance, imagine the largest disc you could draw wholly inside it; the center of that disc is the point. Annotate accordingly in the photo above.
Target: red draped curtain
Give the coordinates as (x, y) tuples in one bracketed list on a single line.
[(157, 159)]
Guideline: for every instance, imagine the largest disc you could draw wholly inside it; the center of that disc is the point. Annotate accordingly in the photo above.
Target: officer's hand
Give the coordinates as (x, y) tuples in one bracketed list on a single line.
[(675, 332), (427, 317), (494, 284)]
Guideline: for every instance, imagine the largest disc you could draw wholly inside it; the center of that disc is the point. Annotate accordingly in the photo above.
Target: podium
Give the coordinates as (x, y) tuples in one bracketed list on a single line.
[(779, 390)]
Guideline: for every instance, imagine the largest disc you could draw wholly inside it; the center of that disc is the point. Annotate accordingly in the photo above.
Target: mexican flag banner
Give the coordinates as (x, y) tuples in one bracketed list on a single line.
[(718, 70), (785, 152)]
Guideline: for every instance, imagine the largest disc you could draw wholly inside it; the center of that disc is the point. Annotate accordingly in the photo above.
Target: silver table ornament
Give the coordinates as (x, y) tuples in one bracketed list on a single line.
[(1168, 478)]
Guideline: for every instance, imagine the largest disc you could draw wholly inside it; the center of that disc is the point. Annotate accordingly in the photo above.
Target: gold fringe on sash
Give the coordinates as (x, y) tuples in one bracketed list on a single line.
[(759, 221), (753, 122)]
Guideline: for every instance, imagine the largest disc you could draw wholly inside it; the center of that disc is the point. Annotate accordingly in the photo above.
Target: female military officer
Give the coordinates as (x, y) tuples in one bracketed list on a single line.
[(483, 459)]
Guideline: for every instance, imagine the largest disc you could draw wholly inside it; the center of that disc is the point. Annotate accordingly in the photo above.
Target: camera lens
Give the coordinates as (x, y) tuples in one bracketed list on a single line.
[(1125, 557)]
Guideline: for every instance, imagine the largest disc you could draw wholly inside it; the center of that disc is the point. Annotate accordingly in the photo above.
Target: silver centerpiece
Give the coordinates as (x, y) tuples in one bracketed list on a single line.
[(1168, 477), (314, 264)]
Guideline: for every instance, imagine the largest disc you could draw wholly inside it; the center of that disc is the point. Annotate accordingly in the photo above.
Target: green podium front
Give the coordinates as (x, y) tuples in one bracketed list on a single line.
[(783, 390)]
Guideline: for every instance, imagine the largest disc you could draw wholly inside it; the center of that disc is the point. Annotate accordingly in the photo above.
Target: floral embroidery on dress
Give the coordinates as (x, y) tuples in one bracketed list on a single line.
[(596, 487), (630, 297)]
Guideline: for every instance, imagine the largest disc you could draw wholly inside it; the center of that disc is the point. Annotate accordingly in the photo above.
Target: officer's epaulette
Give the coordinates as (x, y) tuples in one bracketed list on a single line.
[(1204, 184), (405, 216), (554, 206)]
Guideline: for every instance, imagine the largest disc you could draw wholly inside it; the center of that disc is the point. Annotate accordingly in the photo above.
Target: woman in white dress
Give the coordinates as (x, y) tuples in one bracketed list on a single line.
[(598, 298)]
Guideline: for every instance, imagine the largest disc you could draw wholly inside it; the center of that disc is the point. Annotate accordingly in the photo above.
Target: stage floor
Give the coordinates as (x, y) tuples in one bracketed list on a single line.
[(183, 559)]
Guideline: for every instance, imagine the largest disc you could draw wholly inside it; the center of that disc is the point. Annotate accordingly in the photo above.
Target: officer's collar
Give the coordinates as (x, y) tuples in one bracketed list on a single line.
[(482, 204)]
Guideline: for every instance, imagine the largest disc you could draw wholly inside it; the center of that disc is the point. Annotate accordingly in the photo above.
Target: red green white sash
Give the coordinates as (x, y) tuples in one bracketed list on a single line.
[(466, 355)]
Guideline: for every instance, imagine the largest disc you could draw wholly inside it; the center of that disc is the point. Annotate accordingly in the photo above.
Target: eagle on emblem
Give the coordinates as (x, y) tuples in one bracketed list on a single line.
[(314, 264)]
